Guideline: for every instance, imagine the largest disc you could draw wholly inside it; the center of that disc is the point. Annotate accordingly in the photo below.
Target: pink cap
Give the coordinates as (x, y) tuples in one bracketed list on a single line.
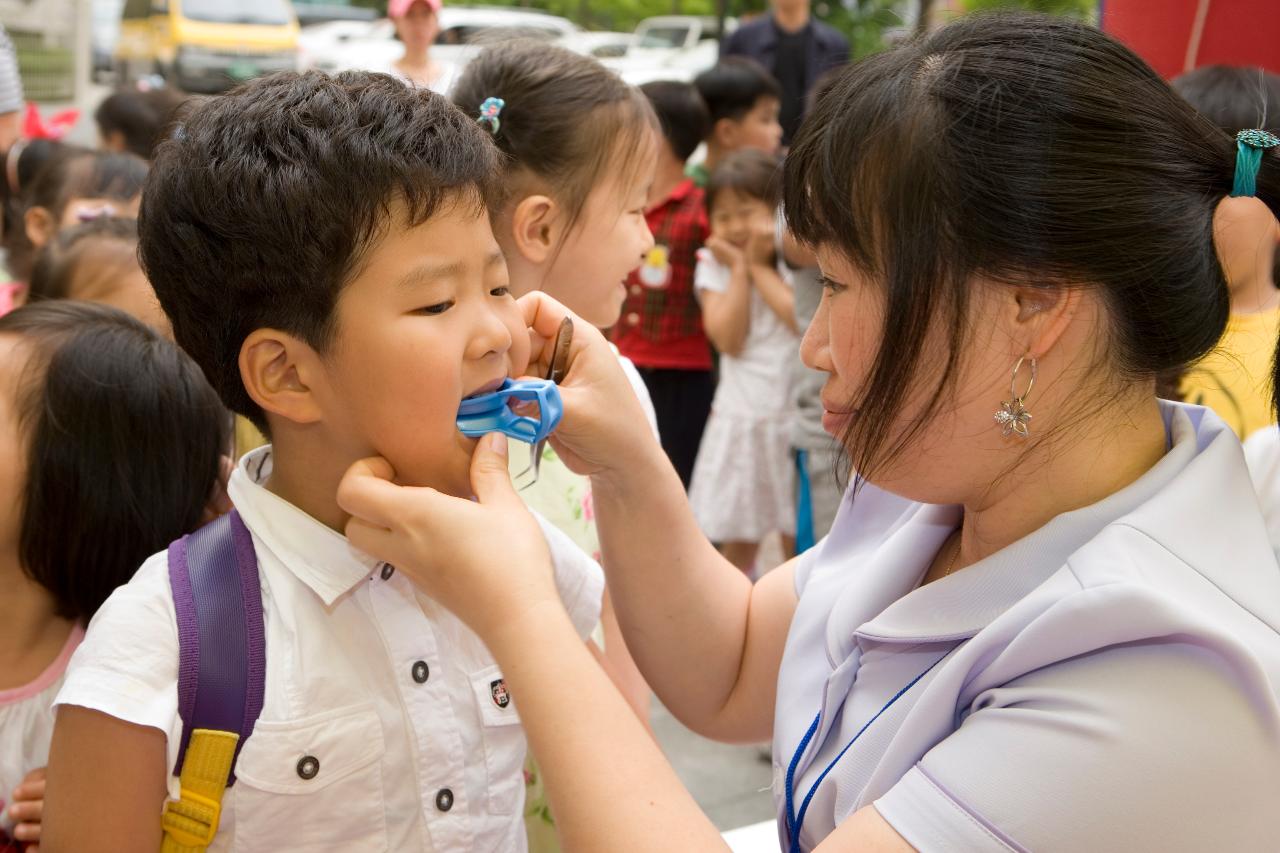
[(400, 8)]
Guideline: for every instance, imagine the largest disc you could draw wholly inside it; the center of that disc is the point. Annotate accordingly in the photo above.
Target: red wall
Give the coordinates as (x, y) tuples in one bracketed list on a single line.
[(1236, 32)]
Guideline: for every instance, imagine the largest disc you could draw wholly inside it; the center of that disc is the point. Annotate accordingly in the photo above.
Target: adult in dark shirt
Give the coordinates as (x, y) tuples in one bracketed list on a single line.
[(795, 48)]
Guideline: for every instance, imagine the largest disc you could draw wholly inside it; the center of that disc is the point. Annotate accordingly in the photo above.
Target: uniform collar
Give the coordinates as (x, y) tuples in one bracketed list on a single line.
[(680, 193), (317, 555), (1204, 459)]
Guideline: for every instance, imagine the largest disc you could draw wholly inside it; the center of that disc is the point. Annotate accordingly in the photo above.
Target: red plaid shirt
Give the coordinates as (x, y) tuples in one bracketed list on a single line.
[(661, 322)]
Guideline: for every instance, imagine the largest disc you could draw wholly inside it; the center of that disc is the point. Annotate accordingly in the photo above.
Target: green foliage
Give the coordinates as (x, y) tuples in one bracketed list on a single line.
[(1084, 9)]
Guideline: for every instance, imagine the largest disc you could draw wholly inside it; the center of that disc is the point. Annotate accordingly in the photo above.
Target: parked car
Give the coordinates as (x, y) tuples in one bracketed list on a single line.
[(205, 45), (464, 30), (601, 45), (104, 30), (671, 47), (311, 12)]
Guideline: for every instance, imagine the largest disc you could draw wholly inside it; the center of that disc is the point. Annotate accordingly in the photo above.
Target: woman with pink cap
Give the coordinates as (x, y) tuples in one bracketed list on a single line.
[(417, 26)]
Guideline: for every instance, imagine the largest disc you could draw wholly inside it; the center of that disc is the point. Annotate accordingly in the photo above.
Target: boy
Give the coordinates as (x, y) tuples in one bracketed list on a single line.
[(323, 249), (660, 328), (743, 100)]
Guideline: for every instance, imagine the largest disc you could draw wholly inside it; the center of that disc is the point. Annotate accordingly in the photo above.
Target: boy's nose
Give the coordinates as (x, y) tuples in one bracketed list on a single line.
[(491, 335)]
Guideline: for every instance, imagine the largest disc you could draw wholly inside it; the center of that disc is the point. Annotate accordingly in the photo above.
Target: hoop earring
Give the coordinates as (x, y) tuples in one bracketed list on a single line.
[(1013, 414)]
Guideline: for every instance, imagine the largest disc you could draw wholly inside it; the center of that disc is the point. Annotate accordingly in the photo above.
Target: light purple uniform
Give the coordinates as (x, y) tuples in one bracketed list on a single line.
[(1109, 682)]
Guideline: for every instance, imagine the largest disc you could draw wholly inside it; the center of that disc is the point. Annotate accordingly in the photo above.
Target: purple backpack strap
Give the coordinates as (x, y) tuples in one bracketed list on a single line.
[(221, 645)]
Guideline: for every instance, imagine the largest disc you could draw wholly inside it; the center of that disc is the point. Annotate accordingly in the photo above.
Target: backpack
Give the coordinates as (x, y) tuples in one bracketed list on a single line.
[(213, 574)]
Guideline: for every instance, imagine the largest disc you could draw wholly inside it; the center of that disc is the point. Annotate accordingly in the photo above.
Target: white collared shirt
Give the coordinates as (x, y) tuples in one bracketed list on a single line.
[(399, 703), (1109, 682)]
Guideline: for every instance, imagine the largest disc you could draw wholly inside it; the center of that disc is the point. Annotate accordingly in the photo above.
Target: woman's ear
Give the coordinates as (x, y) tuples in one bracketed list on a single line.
[(40, 226), (281, 375), (535, 228), (1043, 315)]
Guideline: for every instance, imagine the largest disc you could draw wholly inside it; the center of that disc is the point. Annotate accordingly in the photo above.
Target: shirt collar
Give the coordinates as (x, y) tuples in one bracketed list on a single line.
[(317, 555), (959, 606), (680, 193)]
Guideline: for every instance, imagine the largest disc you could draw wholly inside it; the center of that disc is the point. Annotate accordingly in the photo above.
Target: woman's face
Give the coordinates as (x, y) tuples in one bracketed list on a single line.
[(961, 449), (418, 28)]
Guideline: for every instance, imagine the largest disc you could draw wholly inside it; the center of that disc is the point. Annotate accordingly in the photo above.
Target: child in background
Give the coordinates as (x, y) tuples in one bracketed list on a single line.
[(72, 187), (110, 447), (132, 120), (337, 279), (24, 159), (660, 329), (580, 149), (743, 99), (742, 481), (97, 261), (1234, 379)]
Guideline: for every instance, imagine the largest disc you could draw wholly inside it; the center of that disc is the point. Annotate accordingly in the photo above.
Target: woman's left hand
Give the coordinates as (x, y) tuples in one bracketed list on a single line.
[(486, 560)]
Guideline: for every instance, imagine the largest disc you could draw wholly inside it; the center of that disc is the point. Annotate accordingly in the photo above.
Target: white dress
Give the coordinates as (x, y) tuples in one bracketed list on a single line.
[(26, 727), (742, 480)]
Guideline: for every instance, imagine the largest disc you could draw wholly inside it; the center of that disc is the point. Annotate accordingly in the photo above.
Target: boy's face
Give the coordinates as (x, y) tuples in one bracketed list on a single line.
[(427, 321), (759, 128)]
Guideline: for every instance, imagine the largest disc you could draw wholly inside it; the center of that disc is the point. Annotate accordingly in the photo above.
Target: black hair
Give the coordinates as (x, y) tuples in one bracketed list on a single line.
[(263, 201), (733, 86), (1233, 98), (55, 268), (565, 121), (69, 174), (138, 116), (750, 172), (682, 114), (1027, 149), (124, 440)]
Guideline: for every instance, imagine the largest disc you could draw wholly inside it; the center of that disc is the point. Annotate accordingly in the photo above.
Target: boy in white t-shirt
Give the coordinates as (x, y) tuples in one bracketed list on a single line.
[(323, 250)]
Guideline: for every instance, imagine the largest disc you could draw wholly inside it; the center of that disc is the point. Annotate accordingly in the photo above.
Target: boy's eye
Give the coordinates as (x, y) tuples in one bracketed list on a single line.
[(438, 308), (505, 290)]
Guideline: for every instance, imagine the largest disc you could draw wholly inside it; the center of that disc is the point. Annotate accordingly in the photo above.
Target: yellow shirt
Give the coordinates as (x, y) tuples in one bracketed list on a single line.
[(1235, 379)]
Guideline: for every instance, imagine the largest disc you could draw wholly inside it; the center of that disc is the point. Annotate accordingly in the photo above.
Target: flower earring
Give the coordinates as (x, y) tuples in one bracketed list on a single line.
[(1013, 414)]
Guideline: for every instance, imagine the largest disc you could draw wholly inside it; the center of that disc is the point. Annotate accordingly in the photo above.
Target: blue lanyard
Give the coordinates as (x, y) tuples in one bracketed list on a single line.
[(796, 821)]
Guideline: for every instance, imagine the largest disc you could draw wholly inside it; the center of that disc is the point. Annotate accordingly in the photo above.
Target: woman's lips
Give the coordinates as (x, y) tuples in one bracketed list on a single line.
[(835, 422)]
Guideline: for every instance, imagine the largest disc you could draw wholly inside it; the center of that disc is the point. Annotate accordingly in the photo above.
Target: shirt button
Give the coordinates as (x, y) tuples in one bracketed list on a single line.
[(636, 290), (444, 799), (308, 767), (387, 571), (633, 319), (421, 672)]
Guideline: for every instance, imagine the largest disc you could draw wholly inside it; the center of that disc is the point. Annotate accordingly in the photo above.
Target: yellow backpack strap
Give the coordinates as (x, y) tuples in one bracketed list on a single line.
[(191, 821), (213, 574)]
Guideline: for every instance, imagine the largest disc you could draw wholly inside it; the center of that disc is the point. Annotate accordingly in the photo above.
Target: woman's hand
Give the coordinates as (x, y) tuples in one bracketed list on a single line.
[(604, 426), (485, 560)]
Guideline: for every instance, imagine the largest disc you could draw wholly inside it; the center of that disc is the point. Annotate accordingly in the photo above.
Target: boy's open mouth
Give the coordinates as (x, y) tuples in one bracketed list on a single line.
[(486, 388)]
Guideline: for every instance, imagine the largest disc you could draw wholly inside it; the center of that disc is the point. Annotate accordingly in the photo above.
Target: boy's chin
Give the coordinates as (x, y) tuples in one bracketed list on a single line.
[(449, 472)]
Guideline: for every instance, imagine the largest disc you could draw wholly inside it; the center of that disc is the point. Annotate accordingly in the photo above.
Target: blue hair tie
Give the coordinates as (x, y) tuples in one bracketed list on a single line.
[(1249, 147), (489, 112)]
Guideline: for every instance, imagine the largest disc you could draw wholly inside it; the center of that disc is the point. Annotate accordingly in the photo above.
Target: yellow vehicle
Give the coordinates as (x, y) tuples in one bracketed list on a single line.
[(206, 45)]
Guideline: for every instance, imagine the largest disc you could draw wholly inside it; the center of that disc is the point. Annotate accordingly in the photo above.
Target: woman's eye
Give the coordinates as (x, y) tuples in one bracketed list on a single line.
[(438, 308), (832, 287)]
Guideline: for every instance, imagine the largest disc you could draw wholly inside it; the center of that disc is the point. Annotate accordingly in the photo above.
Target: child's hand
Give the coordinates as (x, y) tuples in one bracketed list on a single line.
[(603, 427), (485, 560), (725, 252), (760, 246), (27, 809)]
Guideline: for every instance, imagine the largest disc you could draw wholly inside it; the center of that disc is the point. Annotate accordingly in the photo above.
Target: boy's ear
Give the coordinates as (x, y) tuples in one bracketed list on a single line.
[(40, 226), (535, 227), (280, 373), (725, 133)]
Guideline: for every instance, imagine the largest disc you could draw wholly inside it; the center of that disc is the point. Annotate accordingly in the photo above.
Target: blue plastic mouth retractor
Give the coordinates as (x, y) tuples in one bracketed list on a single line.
[(491, 412)]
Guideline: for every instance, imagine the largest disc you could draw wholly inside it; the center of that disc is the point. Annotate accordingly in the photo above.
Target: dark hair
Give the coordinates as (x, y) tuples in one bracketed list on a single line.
[(72, 173), (301, 174), (56, 265), (124, 443), (138, 116), (749, 172), (682, 114), (1028, 149), (733, 86), (1233, 98), (24, 159), (564, 120)]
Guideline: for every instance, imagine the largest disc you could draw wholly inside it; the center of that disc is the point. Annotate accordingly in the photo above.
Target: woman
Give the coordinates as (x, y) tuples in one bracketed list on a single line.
[(1048, 632), (417, 25)]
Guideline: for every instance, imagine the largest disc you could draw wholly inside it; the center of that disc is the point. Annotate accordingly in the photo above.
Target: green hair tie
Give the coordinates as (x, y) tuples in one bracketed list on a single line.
[(1249, 147)]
